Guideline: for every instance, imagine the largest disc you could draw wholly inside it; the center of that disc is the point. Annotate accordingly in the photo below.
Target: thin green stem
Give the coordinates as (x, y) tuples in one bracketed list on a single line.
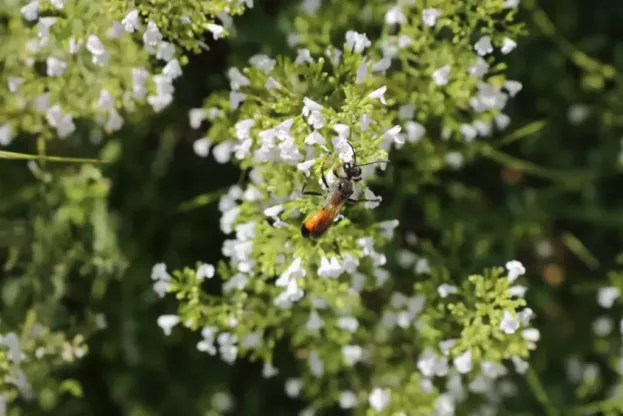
[(539, 392), (39, 157)]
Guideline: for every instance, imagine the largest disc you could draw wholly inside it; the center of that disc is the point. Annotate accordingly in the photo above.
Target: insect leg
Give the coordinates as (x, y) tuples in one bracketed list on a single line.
[(354, 201), (336, 171), (324, 179), (310, 192)]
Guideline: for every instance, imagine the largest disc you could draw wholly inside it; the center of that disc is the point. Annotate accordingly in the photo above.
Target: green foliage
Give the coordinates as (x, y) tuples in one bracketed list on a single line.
[(400, 308)]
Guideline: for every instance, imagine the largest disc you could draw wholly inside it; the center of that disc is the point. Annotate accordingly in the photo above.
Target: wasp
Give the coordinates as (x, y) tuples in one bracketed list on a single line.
[(319, 222)]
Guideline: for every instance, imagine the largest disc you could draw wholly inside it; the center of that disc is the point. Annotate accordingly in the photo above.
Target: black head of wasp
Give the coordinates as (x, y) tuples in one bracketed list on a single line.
[(319, 222)]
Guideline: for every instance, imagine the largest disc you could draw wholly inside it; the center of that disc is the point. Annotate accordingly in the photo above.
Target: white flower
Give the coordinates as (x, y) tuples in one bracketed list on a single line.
[(441, 75), (395, 16), (6, 134), (116, 30), (393, 135), (161, 287), (293, 387), (222, 152), (525, 316), (74, 46), (379, 399), (43, 29), (518, 291), (469, 132), (603, 326), (271, 83), (263, 62), (388, 227), (502, 121), (96, 47), (446, 345), (513, 87), (227, 347), (366, 120), (130, 21), (329, 268), (511, 4), (159, 102), (430, 16), (237, 79), (578, 113), (159, 272), (207, 344), (488, 97), (222, 402), (515, 269), (348, 323), (201, 147), (105, 101), (114, 122), (362, 72), (303, 56), (444, 405), (483, 127), (352, 354), (374, 202), (342, 130), (406, 111), (348, 399), (509, 323), (311, 6), (205, 271), (607, 295), (55, 67), (30, 11), (315, 138), (151, 37), (531, 334), (11, 340), (313, 111), (167, 322), (305, 166), (379, 94), (480, 68), (463, 362), (357, 42), (415, 131), (314, 322), (165, 51), (483, 46), (196, 116), (172, 69), (521, 366), (217, 30), (14, 83), (139, 80), (235, 98), (268, 370), (404, 41), (508, 45), (445, 290), (62, 122), (430, 365)]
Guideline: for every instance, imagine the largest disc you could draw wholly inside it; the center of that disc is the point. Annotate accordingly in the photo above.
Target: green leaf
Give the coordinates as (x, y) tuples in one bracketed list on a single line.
[(72, 387)]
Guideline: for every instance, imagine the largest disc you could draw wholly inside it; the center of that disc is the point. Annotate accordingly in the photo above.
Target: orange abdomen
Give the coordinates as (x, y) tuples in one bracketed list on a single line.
[(317, 223)]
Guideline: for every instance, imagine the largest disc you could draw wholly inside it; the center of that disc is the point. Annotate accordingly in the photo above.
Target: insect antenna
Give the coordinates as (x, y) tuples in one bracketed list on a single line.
[(372, 163), (354, 154)]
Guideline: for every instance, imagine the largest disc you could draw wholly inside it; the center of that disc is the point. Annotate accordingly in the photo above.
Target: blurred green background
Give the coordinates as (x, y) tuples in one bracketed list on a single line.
[(561, 184)]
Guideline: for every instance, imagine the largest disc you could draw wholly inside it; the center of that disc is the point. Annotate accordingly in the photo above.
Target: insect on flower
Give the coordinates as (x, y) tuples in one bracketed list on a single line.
[(319, 222)]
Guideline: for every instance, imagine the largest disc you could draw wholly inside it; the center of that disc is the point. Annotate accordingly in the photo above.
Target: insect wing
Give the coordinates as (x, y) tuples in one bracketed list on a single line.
[(320, 221)]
